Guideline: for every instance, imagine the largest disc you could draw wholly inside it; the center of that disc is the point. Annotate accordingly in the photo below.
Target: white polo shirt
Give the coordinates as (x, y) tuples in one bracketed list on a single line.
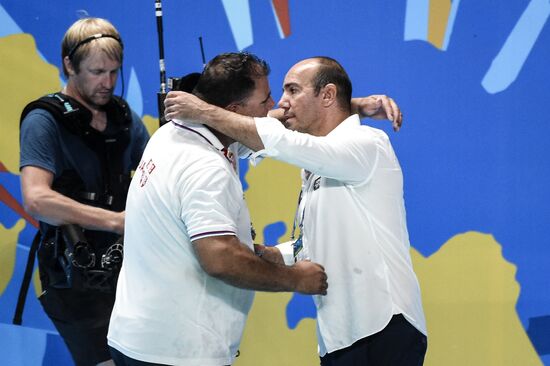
[(167, 309), (354, 224)]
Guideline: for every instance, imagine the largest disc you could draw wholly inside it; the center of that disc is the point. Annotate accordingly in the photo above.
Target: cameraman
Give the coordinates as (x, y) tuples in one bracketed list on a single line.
[(78, 148)]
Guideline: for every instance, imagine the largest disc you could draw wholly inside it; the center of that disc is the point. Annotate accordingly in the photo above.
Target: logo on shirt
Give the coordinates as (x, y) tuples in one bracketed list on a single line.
[(145, 168), (230, 157)]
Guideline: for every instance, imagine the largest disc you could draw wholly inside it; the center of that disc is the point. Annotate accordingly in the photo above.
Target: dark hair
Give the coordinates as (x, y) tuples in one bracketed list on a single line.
[(331, 72), (186, 83), (230, 78)]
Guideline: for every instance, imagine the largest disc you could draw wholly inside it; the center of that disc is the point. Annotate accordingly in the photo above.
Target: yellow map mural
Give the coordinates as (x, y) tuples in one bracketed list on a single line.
[(27, 77), (469, 293)]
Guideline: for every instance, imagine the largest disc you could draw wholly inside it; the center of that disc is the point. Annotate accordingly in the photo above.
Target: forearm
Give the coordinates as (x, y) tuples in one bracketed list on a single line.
[(270, 254), (240, 267), (239, 127), (56, 209), (356, 107), (180, 105), (378, 107), (226, 258)]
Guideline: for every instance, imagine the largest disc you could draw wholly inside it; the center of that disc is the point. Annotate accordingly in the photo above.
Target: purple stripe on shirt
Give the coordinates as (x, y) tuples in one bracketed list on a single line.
[(192, 130), (212, 233)]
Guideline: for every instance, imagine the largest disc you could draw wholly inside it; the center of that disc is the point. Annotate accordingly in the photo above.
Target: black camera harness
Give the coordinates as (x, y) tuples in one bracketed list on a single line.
[(109, 149)]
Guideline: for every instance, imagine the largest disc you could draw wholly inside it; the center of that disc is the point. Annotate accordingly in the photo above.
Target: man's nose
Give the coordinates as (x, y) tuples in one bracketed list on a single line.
[(283, 103), (109, 80)]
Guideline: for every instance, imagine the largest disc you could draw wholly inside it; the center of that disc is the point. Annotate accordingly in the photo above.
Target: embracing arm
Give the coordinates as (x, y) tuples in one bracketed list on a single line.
[(226, 258), (49, 206), (378, 107), (189, 107), (243, 129), (270, 254), (373, 106), (319, 154)]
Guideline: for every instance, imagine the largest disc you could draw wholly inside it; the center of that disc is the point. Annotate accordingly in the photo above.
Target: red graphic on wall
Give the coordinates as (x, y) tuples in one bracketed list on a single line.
[(283, 14)]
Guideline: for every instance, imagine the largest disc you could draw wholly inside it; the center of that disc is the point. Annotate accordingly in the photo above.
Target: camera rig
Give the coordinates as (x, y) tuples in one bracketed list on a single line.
[(185, 83)]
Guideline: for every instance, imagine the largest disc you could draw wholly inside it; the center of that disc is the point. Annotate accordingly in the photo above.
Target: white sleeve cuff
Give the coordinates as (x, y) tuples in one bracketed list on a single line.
[(287, 251)]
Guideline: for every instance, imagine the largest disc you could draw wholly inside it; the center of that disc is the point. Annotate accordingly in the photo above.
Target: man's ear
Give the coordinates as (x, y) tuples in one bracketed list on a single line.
[(69, 66), (328, 94), (233, 107)]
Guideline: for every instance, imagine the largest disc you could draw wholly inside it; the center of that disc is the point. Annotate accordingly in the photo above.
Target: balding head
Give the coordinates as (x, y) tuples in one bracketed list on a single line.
[(329, 71)]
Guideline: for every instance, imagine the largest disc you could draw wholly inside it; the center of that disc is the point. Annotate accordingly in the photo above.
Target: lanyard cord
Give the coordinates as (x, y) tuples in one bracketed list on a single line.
[(295, 223), (300, 225)]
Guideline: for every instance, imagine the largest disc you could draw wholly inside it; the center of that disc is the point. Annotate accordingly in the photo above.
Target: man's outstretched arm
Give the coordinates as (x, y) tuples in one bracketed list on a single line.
[(378, 107), (373, 106), (181, 105)]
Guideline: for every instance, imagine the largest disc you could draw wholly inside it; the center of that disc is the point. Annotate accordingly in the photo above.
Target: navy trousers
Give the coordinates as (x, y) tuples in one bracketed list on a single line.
[(399, 344)]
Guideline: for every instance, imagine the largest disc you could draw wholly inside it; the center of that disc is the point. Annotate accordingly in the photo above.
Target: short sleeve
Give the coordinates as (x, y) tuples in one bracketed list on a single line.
[(211, 201), (39, 141)]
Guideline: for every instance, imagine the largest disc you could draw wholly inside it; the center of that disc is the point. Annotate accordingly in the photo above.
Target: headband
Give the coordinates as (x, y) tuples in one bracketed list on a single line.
[(91, 38)]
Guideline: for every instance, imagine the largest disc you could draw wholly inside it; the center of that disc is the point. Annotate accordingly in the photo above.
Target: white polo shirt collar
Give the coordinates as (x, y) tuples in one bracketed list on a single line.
[(204, 132)]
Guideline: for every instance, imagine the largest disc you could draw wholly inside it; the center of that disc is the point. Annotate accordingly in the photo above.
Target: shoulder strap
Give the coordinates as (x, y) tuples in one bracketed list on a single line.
[(66, 110), (24, 289), (120, 110)]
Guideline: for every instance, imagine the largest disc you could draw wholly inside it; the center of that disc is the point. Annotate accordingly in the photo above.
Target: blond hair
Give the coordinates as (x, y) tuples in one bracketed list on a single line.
[(87, 34)]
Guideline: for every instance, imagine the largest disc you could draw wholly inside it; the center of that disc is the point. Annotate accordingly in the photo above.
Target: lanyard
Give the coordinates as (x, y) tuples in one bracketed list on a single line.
[(296, 218), (299, 220)]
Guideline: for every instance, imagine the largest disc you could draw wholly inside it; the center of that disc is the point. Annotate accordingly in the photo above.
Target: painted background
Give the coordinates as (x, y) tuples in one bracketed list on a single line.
[(473, 81)]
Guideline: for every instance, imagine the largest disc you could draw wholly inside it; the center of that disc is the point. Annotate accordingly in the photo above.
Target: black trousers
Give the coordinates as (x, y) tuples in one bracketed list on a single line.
[(123, 360), (82, 320), (399, 344)]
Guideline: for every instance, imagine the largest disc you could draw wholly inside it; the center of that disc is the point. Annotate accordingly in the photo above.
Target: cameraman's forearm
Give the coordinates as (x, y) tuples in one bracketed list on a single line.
[(49, 206), (56, 209)]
